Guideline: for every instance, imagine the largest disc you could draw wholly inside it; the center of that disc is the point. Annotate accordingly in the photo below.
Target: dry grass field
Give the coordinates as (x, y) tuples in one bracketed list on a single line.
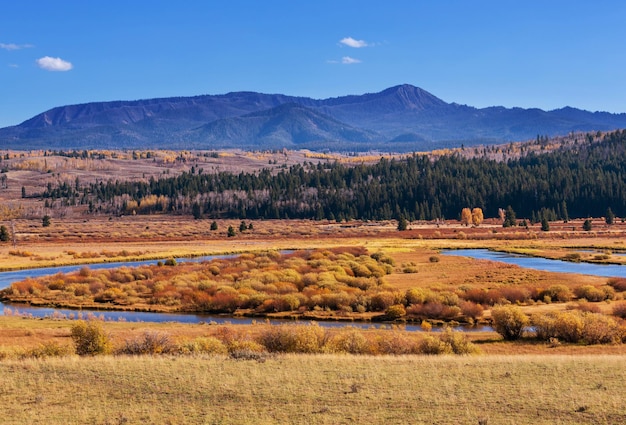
[(315, 389)]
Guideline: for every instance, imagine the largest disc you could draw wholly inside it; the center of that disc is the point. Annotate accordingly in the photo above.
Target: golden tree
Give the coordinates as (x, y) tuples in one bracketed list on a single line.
[(466, 216), (477, 216)]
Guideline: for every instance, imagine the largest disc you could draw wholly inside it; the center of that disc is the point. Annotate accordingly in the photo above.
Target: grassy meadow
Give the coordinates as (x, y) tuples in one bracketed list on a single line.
[(316, 389)]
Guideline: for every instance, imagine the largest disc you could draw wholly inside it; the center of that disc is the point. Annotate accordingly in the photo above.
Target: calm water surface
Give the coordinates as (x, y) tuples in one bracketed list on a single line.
[(559, 266)]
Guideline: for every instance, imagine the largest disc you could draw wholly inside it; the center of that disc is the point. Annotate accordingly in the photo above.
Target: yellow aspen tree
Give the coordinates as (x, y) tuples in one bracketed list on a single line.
[(477, 216), (466, 216)]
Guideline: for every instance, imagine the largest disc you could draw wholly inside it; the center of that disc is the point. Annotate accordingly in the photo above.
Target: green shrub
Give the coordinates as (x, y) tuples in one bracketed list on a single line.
[(509, 321), (90, 338)]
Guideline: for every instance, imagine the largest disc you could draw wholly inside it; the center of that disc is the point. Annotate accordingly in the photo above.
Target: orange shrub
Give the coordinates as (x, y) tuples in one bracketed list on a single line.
[(619, 309), (618, 283), (433, 310), (381, 301), (471, 310)]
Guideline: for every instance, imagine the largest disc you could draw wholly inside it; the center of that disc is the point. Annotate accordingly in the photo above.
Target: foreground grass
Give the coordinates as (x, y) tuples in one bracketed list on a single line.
[(315, 389)]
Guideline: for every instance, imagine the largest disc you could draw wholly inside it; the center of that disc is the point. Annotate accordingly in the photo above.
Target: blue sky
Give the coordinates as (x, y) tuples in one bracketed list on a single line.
[(545, 54)]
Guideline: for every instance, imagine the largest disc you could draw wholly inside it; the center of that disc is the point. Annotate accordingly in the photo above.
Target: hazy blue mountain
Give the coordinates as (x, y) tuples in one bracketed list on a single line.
[(402, 118), (289, 125)]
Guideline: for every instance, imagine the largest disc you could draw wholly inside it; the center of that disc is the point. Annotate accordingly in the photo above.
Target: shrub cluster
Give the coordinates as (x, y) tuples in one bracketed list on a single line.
[(345, 279), (573, 326), (90, 339), (315, 339), (578, 327)]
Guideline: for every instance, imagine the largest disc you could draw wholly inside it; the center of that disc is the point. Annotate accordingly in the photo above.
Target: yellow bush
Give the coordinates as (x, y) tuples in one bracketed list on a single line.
[(90, 339), (509, 321)]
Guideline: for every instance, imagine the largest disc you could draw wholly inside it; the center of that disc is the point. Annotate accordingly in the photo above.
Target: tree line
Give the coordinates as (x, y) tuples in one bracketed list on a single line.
[(581, 180)]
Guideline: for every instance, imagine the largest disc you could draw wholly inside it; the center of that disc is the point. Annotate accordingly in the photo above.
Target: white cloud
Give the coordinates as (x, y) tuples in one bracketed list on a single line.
[(54, 64), (13, 65), (347, 60), (13, 46), (351, 42)]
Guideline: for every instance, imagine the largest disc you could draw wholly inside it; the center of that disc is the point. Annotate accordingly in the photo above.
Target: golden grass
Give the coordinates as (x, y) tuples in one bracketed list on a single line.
[(320, 389)]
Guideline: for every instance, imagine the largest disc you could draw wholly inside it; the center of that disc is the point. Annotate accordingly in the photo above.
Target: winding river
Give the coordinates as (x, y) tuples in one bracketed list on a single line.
[(6, 278)]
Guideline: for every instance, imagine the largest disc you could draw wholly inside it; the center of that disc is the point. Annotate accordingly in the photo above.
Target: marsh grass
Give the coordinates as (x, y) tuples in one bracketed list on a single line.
[(315, 389)]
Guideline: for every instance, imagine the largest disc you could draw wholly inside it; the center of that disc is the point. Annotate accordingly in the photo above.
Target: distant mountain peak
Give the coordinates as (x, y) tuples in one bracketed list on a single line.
[(406, 97), (401, 118)]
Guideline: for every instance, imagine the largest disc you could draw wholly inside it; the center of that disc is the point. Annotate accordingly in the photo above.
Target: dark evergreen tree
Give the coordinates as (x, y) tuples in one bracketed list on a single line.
[(564, 213), (509, 217), (4, 234), (610, 217), (196, 211)]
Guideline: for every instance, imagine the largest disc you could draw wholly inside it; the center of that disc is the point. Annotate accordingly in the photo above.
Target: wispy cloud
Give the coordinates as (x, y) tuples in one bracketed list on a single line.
[(347, 60), (351, 42), (13, 65), (54, 64), (13, 46)]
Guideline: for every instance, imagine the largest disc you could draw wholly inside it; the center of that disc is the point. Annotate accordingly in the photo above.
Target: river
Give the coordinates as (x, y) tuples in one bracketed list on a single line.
[(6, 278), (543, 264)]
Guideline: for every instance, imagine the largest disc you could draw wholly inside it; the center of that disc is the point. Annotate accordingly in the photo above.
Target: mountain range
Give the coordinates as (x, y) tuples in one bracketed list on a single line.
[(402, 118)]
